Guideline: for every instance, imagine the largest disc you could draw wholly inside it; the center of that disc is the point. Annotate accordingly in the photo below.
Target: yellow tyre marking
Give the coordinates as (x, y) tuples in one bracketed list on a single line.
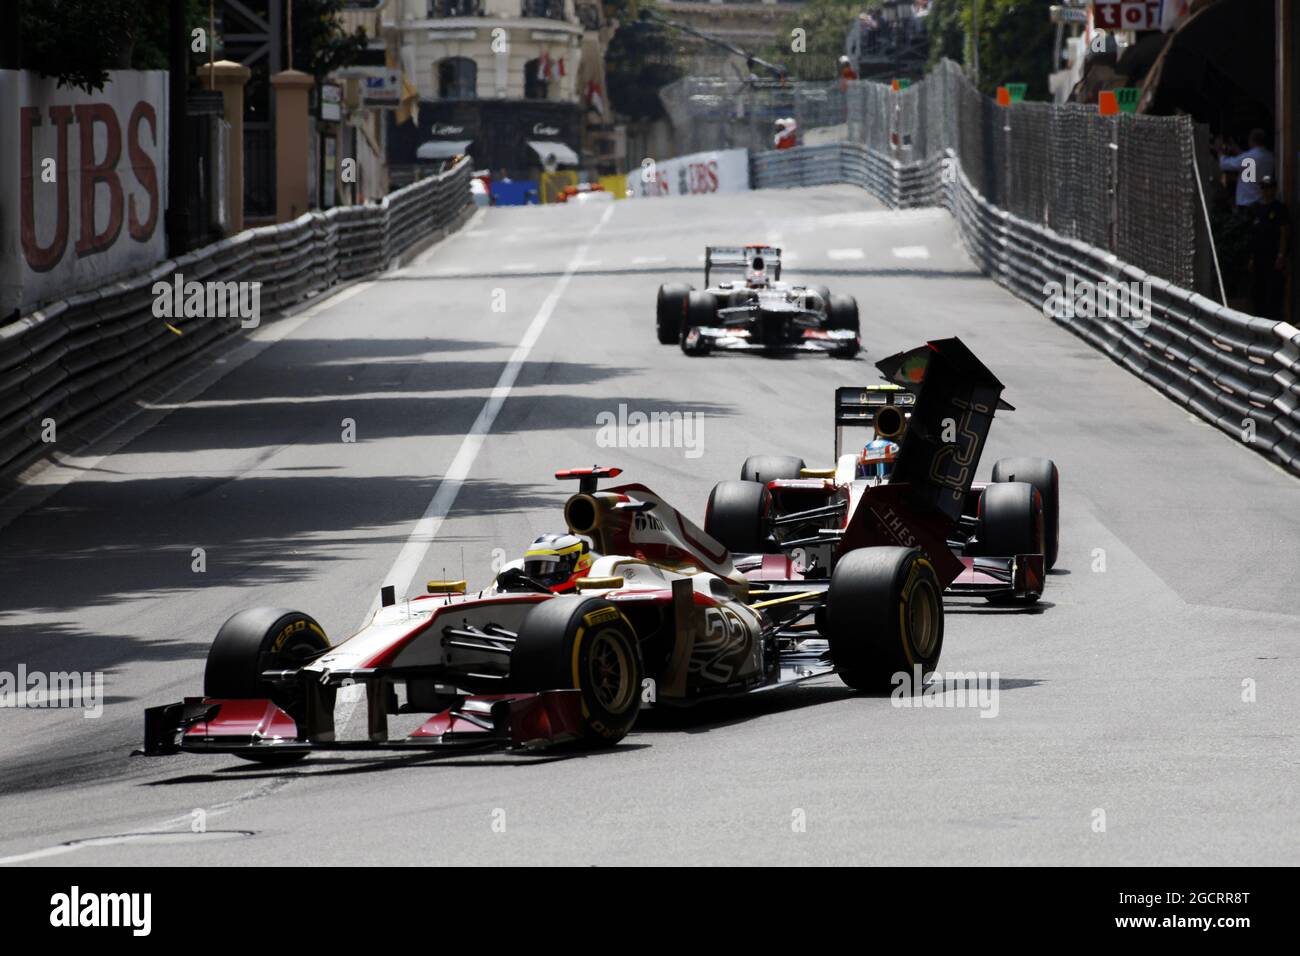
[(908, 585)]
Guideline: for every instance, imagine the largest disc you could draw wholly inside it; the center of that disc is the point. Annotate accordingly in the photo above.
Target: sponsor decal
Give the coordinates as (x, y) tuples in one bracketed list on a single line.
[(602, 616)]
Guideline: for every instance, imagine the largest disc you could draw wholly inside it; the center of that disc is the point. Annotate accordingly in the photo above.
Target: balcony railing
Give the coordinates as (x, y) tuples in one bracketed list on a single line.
[(544, 9), (439, 9)]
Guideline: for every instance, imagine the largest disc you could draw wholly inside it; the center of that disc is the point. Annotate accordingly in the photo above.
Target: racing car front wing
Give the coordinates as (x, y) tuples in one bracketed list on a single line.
[(256, 726), (1019, 577)]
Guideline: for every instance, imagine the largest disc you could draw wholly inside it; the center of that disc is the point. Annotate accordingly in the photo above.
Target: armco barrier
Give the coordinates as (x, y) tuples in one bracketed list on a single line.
[(1239, 372), (77, 354)]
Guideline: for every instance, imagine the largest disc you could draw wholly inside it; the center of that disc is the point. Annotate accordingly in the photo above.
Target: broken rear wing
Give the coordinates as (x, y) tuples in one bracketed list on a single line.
[(738, 258), (955, 398)]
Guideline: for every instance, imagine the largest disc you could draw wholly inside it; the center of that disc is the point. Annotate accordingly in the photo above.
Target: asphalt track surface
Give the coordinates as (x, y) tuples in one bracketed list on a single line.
[(1121, 694)]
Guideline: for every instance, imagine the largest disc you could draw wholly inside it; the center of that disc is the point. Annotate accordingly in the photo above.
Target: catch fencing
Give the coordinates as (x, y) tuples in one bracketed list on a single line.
[(72, 357), (712, 113), (935, 145)]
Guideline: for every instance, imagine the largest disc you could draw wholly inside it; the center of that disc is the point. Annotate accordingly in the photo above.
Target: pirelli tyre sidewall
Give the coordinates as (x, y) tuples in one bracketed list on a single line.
[(884, 617), (583, 643), (256, 640)]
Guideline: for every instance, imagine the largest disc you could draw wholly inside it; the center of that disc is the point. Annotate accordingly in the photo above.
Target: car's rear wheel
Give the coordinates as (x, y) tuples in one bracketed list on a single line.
[(580, 643), (1043, 474), (670, 312), (257, 640), (842, 313), (884, 617), (736, 516), (771, 467), (701, 310)]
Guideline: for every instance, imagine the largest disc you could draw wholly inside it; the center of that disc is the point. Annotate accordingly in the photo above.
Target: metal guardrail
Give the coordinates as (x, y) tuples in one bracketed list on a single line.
[(1238, 372), (73, 356)]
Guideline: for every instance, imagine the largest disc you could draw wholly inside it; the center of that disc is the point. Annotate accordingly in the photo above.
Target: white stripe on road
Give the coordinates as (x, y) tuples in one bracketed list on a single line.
[(426, 529), (911, 252), (840, 254)]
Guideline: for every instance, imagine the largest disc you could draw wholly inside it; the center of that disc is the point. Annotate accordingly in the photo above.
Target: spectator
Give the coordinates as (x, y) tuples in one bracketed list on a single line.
[(1270, 225), (847, 73), (787, 133), (1251, 167)]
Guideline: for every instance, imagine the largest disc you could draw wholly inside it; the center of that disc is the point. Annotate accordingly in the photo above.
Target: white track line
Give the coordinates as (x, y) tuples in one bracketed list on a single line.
[(911, 252), (426, 529)]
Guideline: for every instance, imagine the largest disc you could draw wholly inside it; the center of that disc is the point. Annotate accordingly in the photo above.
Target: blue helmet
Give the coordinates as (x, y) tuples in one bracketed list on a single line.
[(877, 459)]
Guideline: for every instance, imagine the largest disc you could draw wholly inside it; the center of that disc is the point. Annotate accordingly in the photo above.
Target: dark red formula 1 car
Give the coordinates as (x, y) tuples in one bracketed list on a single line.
[(659, 614), (911, 485)]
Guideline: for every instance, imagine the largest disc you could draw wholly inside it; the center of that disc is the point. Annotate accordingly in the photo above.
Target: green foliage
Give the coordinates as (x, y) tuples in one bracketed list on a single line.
[(79, 41), (639, 62), (1015, 38), (825, 24), (319, 43)]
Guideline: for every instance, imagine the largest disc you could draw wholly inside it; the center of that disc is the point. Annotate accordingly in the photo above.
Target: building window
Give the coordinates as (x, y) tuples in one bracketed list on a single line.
[(455, 8), (544, 9), (535, 86), (457, 78)]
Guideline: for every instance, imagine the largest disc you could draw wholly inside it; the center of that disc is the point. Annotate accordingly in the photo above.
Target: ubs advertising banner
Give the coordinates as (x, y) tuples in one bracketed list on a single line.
[(82, 183), (721, 171)]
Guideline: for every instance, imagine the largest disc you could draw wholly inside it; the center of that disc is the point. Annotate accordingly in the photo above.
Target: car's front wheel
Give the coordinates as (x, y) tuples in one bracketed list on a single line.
[(701, 310), (1043, 474), (842, 314), (580, 643), (884, 617), (257, 640), (670, 312)]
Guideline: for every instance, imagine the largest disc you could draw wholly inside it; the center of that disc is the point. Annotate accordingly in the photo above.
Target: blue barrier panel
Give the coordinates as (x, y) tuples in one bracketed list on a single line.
[(514, 192)]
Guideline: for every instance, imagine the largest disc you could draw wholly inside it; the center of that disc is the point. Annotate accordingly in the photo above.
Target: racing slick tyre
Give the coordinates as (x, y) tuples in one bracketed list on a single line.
[(736, 516), (884, 615), (824, 292), (256, 640), (581, 643), (1043, 474), (701, 310), (1011, 521), (842, 313), (670, 311), (767, 468)]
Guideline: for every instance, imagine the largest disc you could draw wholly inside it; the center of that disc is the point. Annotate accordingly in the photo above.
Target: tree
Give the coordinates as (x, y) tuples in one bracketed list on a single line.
[(319, 44), (1016, 40), (639, 61), (79, 41), (814, 53)]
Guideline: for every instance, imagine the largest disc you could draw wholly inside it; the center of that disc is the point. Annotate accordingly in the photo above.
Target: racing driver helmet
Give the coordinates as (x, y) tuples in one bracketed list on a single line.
[(557, 560), (877, 459)]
